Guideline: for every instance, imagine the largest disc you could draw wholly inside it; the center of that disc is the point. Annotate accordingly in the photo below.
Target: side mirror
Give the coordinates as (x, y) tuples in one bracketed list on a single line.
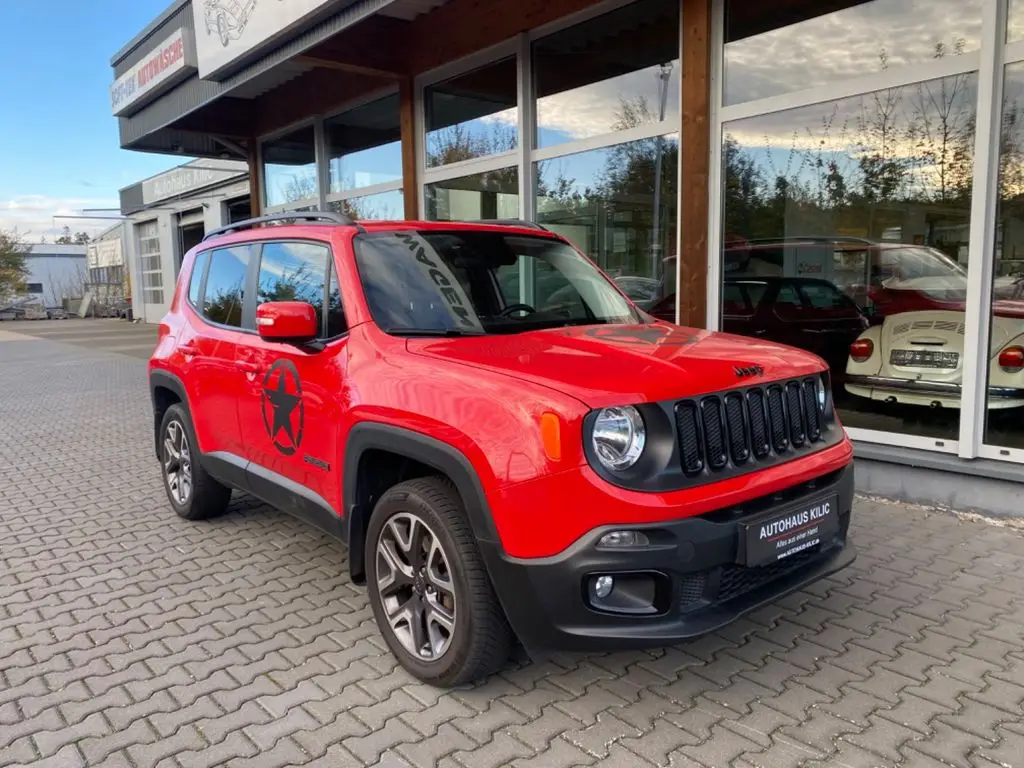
[(287, 321)]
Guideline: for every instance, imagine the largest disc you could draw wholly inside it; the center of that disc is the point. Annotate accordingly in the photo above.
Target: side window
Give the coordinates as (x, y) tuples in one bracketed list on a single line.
[(299, 272), (336, 324), (788, 303), (225, 285), (734, 301), (196, 280)]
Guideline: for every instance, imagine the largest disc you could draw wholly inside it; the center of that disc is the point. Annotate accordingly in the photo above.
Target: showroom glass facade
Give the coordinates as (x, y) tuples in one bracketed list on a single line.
[(867, 208), (348, 162), (865, 195), (576, 127)]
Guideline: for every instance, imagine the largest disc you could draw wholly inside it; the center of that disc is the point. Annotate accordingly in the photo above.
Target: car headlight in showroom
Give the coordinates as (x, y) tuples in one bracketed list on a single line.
[(618, 437)]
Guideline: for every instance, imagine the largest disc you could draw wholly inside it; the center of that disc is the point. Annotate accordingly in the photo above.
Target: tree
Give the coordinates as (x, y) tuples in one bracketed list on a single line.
[(82, 238), (13, 270), (65, 237)]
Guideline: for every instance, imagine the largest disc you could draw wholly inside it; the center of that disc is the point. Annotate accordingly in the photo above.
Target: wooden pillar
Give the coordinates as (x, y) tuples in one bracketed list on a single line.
[(694, 154), (407, 125), (255, 180)]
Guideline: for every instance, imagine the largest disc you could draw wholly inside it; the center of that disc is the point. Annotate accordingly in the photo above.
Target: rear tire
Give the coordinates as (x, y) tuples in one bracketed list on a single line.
[(446, 585), (192, 491)]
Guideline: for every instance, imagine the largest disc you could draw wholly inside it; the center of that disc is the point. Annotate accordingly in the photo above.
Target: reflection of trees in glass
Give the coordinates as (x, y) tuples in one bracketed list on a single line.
[(299, 283), (368, 208), (225, 307), (465, 141), (854, 167)]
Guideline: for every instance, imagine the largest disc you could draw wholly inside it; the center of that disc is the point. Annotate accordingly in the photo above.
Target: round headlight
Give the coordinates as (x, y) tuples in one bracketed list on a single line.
[(619, 436)]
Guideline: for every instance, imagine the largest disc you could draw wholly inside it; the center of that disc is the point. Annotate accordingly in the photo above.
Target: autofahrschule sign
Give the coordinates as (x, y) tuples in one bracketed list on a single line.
[(167, 64)]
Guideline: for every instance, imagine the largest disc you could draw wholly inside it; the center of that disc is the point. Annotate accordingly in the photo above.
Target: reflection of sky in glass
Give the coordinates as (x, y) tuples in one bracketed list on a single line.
[(227, 271), (292, 272), (384, 206), (925, 129), (848, 43), (376, 165), (597, 108), (1015, 21), (489, 135), (288, 183)]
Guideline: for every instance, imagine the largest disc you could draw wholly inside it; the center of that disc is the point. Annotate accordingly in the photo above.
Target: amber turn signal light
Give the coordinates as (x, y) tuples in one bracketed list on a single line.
[(861, 350), (551, 435), (1011, 359)]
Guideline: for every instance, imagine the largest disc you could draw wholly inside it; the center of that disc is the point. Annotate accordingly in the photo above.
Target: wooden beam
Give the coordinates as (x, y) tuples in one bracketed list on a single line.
[(695, 153), (407, 123), (255, 179), (314, 92), (342, 66), (461, 27)]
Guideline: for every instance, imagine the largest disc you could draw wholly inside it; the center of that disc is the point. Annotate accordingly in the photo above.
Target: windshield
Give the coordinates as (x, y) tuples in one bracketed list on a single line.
[(478, 282)]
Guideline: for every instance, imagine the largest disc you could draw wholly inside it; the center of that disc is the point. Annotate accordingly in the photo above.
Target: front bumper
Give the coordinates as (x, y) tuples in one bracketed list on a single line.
[(692, 562)]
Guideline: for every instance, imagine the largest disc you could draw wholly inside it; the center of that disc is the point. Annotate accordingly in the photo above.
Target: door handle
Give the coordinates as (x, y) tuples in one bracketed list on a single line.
[(248, 367), (188, 349)]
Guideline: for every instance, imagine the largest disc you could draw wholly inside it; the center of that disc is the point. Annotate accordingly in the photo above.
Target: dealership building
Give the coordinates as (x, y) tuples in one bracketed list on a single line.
[(839, 176)]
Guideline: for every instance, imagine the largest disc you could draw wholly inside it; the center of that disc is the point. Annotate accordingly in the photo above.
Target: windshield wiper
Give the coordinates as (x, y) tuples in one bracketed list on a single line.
[(444, 332)]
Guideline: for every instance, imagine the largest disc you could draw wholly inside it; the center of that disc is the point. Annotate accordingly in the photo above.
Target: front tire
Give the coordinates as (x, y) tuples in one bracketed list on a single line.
[(429, 589), (192, 491)]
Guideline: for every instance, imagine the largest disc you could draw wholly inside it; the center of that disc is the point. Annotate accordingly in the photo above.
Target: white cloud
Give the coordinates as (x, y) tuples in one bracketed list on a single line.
[(33, 215)]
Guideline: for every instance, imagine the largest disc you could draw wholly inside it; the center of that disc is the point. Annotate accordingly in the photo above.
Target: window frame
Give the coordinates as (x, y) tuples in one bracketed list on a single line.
[(988, 62), (330, 268)]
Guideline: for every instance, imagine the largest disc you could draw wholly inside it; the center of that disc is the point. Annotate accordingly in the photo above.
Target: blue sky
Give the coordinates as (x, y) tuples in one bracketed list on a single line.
[(59, 148)]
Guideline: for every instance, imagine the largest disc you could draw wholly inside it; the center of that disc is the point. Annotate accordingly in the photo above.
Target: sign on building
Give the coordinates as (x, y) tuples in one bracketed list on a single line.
[(229, 29), (166, 65), (189, 178), (104, 253)]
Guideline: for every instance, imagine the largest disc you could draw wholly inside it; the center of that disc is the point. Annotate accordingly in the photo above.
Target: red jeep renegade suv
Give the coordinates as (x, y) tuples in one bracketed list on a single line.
[(510, 448)]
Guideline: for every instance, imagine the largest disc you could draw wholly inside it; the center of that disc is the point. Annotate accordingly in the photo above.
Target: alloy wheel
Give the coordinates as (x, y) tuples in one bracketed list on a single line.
[(416, 588), (177, 462)]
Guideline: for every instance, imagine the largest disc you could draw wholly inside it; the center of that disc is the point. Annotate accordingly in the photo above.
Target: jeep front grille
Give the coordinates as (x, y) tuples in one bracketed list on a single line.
[(776, 421)]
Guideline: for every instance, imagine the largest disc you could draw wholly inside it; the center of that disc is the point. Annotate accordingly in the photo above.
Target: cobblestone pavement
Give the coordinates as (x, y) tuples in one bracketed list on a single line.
[(130, 637)]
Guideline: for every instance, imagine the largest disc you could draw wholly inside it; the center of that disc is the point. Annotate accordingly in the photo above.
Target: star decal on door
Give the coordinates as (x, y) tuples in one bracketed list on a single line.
[(283, 410)]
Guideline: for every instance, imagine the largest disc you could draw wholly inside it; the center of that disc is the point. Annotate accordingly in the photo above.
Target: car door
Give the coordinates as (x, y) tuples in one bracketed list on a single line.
[(294, 396), (217, 329)]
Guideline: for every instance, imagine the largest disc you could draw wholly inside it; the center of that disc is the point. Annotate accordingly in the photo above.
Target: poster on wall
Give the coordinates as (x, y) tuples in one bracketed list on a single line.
[(228, 29)]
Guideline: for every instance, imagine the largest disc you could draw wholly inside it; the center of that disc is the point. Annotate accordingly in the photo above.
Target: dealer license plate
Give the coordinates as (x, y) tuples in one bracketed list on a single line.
[(782, 535), (924, 358)]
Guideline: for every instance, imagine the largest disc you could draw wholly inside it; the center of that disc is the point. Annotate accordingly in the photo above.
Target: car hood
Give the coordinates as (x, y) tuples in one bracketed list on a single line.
[(618, 364)]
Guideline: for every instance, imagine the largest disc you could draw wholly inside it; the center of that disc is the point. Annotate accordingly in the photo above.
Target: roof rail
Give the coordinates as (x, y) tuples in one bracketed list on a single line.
[(508, 223), (322, 216)]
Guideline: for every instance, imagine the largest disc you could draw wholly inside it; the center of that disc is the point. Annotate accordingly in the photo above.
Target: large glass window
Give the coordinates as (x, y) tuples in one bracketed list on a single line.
[(195, 282), (1015, 21), (388, 206), (1004, 353), (853, 215), (772, 50), (289, 168), (618, 206), (616, 71), (488, 195), (472, 115), (364, 146), (225, 285)]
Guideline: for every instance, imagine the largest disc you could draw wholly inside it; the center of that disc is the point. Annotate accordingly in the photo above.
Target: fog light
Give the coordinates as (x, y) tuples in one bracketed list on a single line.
[(603, 586), (624, 539)]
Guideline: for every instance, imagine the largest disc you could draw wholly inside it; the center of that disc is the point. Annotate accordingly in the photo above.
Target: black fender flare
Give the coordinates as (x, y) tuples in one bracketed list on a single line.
[(424, 449), (166, 380)]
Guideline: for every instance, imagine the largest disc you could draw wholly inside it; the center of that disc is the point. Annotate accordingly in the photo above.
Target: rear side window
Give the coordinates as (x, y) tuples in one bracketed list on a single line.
[(196, 281), (302, 272), (225, 286)]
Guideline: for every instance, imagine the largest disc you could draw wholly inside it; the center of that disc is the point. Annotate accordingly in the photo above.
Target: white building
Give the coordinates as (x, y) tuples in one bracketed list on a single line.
[(54, 271)]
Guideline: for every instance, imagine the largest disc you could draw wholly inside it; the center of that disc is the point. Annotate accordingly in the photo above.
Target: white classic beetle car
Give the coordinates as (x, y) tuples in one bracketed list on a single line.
[(916, 355)]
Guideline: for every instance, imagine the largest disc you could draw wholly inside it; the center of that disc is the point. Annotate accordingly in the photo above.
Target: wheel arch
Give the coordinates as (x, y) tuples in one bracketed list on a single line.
[(165, 390), (423, 455)]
